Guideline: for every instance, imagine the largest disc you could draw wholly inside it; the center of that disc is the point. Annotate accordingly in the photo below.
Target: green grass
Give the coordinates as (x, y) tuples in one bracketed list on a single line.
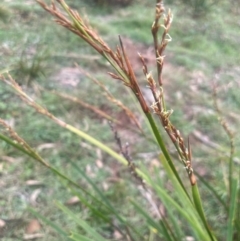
[(208, 45)]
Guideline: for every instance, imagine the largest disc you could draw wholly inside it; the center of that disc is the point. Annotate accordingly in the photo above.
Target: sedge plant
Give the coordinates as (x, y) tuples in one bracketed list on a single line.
[(184, 208)]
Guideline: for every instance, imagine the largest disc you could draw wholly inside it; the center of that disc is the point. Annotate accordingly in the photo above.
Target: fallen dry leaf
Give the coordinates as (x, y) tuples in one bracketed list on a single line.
[(33, 227), (34, 196), (8, 159), (73, 200), (46, 146), (105, 186), (117, 235), (189, 238), (34, 183), (2, 224), (33, 236), (99, 164)]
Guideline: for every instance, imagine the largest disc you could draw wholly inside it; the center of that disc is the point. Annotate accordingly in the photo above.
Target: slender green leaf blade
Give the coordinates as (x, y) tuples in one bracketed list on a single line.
[(199, 208), (91, 231), (15, 145), (149, 219), (79, 237), (106, 201), (232, 211), (183, 205), (58, 229)]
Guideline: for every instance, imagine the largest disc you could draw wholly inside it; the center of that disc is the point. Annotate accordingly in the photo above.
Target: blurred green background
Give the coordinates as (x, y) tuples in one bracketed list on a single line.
[(43, 56)]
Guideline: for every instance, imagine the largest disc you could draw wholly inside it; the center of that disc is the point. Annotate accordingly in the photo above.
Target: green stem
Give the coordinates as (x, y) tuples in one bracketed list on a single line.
[(230, 175), (232, 211), (199, 208), (164, 149), (97, 143)]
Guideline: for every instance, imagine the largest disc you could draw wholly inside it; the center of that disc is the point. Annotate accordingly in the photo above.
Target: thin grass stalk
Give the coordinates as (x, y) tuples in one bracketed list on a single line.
[(15, 145), (231, 172), (198, 204), (20, 144), (178, 232), (176, 227), (191, 218), (238, 210), (160, 47), (133, 81), (126, 155), (121, 73), (78, 237), (232, 211), (151, 222), (190, 211), (50, 223), (90, 230), (155, 27), (230, 136), (169, 231), (165, 151), (136, 103), (172, 222)]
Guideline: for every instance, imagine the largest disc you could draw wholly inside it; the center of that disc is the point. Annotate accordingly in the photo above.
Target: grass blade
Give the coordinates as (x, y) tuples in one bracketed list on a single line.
[(106, 201), (91, 207), (199, 208), (232, 211), (185, 206), (91, 231), (164, 149), (15, 145), (50, 223), (161, 229), (79, 237)]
